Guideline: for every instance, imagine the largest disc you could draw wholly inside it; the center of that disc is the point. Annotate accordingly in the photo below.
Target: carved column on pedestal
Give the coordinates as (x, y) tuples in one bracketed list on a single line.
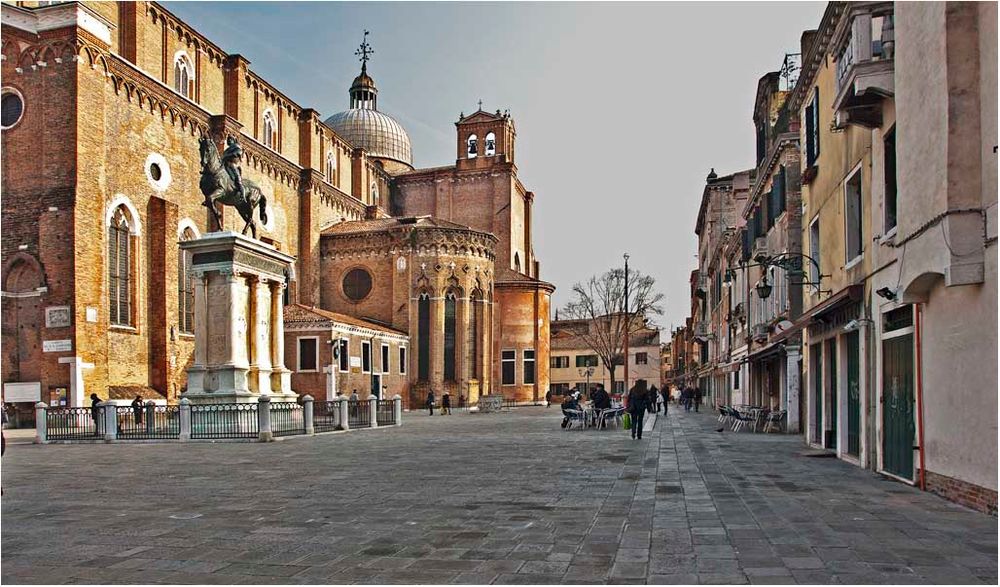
[(261, 341), (281, 378)]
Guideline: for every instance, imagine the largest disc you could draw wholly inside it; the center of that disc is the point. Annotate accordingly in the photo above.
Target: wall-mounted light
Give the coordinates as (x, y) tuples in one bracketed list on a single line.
[(763, 289), (886, 293)]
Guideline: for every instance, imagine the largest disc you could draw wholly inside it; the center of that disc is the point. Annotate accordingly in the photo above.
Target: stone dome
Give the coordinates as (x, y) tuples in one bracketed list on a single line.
[(377, 133)]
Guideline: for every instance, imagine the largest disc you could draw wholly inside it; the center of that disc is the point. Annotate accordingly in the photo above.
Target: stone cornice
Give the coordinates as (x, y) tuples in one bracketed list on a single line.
[(329, 194), (153, 96)]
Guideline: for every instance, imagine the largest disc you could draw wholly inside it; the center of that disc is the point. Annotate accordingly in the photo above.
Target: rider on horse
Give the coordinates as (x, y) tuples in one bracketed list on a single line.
[(231, 163)]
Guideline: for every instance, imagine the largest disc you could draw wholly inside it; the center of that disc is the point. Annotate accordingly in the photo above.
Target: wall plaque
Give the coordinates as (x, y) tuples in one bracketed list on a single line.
[(58, 317), (57, 346)]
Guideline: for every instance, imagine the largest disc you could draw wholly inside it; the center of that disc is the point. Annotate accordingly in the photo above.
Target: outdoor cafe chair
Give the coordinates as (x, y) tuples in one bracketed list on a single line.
[(774, 420), (575, 416), (740, 420)]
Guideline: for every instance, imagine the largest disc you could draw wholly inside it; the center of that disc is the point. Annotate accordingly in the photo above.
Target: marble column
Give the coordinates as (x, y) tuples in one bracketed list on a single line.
[(281, 378), (437, 344), (792, 387), (196, 373), (261, 341)]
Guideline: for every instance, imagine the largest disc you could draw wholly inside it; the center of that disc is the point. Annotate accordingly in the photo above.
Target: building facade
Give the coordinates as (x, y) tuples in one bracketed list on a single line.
[(104, 107), (574, 364)]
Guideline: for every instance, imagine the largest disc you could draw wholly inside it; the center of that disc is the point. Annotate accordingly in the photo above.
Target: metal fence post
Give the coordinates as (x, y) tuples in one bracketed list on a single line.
[(110, 421), (307, 413), (264, 419), (345, 418), (373, 408), (397, 408), (185, 416), (41, 424)]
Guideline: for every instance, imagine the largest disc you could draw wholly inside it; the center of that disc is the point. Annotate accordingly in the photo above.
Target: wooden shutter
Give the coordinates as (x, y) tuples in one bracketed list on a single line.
[(815, 124), (124, 308), (113, 274)]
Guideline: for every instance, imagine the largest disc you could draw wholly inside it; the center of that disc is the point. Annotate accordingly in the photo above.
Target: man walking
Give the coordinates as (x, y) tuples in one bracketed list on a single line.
[(430, 401), (637, 398)]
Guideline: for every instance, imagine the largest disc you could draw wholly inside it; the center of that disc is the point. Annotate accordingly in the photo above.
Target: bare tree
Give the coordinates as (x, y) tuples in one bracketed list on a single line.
[(600, 301)]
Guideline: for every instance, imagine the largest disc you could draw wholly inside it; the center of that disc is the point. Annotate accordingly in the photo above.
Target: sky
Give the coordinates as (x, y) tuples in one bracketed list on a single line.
[(621, 109)]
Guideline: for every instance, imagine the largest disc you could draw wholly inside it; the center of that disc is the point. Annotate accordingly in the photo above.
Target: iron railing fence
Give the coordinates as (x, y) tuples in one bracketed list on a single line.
[(385, 412), (75, 423), (287, 418), (359, 414), (148, 423), (224, 421), (326, 416)]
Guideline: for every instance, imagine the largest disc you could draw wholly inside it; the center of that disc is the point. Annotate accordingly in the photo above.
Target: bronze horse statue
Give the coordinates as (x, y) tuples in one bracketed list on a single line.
[(218, 185)]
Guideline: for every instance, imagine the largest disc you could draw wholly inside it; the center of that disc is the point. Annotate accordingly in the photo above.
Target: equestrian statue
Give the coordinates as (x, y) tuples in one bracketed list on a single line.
[(222, 181)]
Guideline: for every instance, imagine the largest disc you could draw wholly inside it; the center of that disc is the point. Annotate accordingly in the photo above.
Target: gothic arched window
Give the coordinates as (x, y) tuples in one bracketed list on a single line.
[(331, 167), (269, 136), (424, 337), (185, 286), (183, 75), (476, 330), (491, 144), (472, 146), (450, 331), (120, 268)]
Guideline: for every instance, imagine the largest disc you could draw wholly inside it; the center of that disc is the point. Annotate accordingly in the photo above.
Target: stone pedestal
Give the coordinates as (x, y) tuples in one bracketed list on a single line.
[(238, 320)]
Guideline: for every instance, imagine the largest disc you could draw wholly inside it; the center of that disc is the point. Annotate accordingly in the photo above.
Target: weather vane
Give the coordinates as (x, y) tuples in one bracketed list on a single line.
[(365, 51)]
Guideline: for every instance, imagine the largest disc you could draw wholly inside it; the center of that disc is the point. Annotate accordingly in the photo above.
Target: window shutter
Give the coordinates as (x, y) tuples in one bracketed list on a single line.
[(780, 182), (810, 156), (112, 274), (816, 119), (124, 310), (746, 243)]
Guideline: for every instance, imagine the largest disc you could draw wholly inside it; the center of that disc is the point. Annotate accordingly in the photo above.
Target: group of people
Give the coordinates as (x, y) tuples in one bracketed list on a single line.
[(690, 398), (445, 402), (640, 399)]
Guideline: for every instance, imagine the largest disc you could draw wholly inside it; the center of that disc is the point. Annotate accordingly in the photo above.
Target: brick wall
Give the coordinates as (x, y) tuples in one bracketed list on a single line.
[(962, 492)]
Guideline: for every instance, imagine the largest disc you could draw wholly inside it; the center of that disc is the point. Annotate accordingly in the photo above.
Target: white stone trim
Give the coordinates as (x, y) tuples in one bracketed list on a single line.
[(17, 92), (187, 223), (166, 177), (135, 222)]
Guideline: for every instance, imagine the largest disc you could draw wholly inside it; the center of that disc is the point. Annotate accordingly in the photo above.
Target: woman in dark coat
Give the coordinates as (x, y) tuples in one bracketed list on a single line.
[(638, 396)]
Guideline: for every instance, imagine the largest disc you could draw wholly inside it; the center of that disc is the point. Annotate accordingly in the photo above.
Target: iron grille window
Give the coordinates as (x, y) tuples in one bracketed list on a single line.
[(11, 108), (641, 358), (424, 338), (559, 362), (528, 356), (586, 360), (897, 319), (449, 337), (119, 264), (507, 360)]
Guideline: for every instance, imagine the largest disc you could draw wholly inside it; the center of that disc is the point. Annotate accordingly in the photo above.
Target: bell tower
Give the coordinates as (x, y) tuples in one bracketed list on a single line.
[(484, 139)]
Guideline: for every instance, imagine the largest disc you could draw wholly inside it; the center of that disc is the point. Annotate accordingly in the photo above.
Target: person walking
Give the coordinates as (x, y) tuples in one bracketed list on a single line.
[(95, 413), (637, 398), (665, 398), (430, 401), (446, 404), (697, 398), (137, 405)]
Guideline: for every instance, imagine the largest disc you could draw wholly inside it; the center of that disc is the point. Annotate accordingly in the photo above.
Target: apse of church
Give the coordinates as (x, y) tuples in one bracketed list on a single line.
[(122, 107)]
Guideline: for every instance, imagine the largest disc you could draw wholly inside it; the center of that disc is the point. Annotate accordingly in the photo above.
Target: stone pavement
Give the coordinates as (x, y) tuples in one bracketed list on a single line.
[(490, 498)]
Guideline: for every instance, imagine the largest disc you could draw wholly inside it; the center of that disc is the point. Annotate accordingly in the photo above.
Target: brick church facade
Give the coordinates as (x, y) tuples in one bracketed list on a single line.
[(103, 107)]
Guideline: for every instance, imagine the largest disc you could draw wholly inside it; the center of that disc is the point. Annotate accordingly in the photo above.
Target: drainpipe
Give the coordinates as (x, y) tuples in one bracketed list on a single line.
[(920, 393)]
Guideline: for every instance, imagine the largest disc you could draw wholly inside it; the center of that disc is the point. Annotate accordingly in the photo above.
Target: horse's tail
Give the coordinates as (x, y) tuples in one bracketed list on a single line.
[(262, 204)]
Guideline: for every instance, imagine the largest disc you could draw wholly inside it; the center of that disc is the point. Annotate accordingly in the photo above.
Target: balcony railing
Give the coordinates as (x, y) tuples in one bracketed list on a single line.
[(864, 67)]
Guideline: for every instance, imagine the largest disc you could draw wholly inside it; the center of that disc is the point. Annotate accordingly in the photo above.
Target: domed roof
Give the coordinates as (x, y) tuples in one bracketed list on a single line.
[(377, 133)]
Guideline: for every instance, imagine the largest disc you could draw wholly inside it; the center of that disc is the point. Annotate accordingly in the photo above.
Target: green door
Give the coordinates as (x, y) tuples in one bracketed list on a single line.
[(831, 359), (816, 366), (897, 406), (853, 393)]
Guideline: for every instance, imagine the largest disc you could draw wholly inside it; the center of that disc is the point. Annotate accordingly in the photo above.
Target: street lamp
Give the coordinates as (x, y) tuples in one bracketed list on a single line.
[(586, 373), (628, 324), (763, 289)]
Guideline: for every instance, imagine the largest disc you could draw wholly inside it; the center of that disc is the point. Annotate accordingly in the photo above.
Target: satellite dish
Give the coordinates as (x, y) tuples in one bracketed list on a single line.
[(782, 326)]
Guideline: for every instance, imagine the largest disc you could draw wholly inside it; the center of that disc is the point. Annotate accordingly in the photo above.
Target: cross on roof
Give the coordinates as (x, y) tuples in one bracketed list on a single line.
[(365, 51), (480, 103)]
